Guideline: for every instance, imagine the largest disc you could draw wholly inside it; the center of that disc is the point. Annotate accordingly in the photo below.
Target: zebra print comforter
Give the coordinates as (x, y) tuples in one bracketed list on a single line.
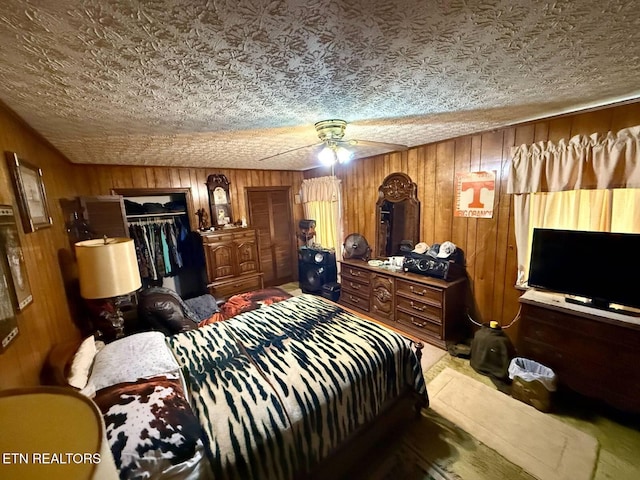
[(276, 389)]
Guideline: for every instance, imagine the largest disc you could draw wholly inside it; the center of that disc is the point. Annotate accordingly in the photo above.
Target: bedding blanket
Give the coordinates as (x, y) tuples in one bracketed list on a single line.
[(277, 389)]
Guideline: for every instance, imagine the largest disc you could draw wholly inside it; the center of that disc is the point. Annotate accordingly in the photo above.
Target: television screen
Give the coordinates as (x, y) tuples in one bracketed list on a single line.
[(600, 266)]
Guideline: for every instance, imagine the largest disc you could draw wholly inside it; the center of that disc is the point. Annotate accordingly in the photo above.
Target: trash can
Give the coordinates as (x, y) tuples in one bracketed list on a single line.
[(331, 291), (533, 383)]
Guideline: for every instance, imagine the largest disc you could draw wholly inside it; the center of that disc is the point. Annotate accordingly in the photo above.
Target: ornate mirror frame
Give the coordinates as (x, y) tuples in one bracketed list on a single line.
[(397, 214), (219, 200)]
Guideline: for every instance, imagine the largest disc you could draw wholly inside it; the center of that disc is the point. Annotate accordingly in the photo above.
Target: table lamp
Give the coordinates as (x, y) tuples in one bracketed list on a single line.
[(108, 270)]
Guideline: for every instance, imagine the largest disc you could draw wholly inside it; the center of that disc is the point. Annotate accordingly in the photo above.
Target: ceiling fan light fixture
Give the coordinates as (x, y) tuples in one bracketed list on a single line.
[(327, 156), (343, 155), (332, 154)]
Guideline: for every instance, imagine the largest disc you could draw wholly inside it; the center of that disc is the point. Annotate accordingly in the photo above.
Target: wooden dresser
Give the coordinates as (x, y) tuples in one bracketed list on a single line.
[(232, 261), (593, 352), (428, 308)]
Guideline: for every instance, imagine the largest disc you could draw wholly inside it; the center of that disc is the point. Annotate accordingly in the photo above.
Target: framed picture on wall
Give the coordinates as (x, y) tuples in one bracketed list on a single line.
[(8, 300), (12, 253), (30, 193)]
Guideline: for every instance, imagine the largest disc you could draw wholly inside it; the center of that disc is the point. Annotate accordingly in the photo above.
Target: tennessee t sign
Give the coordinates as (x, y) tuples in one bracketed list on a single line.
[(475, 192)]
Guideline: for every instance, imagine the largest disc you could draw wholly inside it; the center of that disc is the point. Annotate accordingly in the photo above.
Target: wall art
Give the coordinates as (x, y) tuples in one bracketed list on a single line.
[(30, 193)]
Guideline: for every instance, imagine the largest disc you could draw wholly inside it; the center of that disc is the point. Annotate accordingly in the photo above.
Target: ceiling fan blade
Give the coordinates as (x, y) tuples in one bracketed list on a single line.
[(289, 151), (392, 146)]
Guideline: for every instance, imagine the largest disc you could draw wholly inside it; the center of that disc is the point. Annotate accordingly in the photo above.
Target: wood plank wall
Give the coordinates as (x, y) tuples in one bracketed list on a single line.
[(489, 244), (46, 321), (100, 179)]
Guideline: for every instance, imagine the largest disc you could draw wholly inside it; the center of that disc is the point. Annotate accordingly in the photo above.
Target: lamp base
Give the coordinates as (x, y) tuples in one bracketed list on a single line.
[(117, 322)]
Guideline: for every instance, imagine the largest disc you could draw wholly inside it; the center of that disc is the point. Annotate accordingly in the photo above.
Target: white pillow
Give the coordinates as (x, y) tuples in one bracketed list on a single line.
[(141, 355), (81, 363)]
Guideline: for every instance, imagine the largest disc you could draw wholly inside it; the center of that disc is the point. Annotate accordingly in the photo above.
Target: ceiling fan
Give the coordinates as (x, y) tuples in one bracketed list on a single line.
[(336, 149)]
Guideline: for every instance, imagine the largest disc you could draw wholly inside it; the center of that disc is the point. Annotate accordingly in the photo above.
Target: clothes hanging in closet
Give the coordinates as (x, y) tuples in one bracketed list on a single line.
[(156, 245)]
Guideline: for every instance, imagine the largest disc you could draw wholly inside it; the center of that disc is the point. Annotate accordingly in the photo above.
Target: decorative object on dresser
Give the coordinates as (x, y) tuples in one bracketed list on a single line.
[(397, 215), (30, 193), (316, 267), (219, 200), (232, 261), (593, 351), (356, 246), (429, 308), (108, 269), (444, 260)]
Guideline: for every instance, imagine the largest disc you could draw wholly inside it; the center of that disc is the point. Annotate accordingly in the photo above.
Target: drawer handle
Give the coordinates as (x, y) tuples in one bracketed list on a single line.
[(355, 286), (422, 292), (418, 324), (354, 273), (420, 309), (354, 299)]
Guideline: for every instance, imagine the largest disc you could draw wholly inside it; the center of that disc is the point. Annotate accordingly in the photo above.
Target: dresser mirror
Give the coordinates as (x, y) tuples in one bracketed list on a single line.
[(397, 215), (219, 200)]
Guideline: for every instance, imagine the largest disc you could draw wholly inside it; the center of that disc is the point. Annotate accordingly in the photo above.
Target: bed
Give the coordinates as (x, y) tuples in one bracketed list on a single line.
[(296, 389)]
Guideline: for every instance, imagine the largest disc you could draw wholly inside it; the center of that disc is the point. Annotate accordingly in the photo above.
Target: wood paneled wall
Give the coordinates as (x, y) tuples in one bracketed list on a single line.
[(100, 179), (489, 244), (47, 320)]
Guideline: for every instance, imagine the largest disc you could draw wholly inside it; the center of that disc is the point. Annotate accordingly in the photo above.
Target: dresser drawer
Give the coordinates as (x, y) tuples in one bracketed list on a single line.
[(419, 308), (224, 290), (354, 274), (429, 294), (354, 300), (355, 286), (419, 326), (218, 238), (543, 333)]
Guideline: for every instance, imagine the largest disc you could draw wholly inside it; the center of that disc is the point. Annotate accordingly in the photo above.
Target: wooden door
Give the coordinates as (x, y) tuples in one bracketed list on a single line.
[(270, 212)]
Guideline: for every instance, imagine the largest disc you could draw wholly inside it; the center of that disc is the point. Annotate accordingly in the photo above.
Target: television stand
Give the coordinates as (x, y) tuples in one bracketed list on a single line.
[(602, 305), (592, 351)]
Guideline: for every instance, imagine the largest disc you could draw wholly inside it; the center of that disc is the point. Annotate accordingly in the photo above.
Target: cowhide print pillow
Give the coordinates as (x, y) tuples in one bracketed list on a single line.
[(151, 429)]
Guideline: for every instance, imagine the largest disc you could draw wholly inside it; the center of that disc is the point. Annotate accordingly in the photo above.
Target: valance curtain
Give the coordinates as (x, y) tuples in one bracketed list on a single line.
[(586, 183), (582, 163), (321, 200)]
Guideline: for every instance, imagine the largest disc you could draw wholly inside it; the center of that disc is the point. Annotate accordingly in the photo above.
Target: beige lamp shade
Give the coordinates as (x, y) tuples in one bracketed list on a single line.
[(107, 267)]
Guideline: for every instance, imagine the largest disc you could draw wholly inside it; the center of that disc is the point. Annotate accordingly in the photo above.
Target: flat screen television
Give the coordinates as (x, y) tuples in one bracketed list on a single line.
[(600, 267)]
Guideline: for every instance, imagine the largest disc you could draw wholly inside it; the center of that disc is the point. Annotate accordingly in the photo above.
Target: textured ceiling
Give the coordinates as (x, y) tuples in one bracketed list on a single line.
[(226, 83)]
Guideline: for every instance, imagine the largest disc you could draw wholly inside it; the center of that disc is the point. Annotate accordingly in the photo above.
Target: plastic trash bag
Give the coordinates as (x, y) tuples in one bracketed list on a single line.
[(529, 371)]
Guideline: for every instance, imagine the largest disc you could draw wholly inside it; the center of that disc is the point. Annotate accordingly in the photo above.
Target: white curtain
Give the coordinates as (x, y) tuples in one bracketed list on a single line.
[(588, 183), (321, 199)]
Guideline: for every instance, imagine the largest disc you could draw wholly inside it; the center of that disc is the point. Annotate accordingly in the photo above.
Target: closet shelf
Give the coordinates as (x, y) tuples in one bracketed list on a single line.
[(156, 215)]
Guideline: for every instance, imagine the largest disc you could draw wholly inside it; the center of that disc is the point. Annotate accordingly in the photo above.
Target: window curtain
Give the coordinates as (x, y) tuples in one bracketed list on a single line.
[(588, 183), (321, 199)]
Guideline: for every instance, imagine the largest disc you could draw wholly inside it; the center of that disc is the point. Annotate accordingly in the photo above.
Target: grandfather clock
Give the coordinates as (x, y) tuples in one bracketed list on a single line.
[(219, 200)]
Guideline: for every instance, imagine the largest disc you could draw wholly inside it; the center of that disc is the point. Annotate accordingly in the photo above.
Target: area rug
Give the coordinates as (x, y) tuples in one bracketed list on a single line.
[(430, 356), (541, 445)]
